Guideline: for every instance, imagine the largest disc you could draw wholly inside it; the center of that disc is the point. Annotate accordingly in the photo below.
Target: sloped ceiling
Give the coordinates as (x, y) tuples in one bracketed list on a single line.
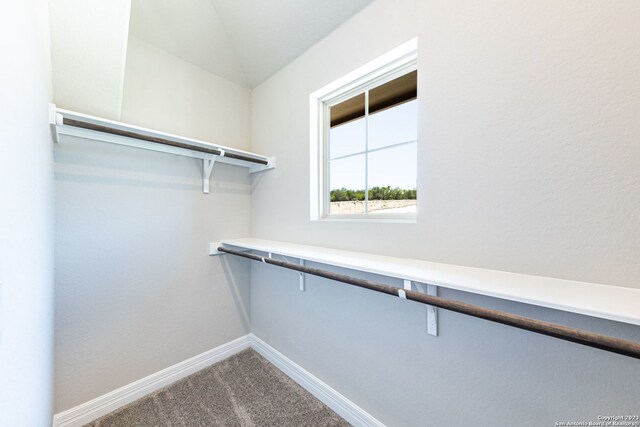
[(245, 41)]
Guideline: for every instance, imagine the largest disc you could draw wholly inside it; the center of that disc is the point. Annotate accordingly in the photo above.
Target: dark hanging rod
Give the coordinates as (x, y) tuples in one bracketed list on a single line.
[(590, 339), (163, 141)]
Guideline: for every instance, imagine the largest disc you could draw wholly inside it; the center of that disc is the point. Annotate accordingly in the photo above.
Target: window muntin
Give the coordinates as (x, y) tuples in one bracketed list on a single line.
[(370, 148), (394, 125)]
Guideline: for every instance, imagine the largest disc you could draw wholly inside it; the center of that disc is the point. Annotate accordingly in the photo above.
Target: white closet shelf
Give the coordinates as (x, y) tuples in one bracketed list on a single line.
[(66, 123), (617, 303)]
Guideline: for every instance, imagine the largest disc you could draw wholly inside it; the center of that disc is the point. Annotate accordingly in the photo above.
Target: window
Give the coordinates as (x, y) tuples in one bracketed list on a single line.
[(366, 142)]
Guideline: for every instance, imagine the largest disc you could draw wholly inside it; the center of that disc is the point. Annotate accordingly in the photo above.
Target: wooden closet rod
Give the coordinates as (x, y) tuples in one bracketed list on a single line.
[(590, 339), (163, 141)]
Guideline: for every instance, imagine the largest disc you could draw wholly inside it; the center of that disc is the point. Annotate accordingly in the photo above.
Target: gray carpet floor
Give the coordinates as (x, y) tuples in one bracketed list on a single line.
[(244, 390)]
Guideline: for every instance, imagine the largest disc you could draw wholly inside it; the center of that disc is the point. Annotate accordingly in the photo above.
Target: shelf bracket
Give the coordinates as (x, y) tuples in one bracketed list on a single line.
[(432, 312), (301, 278), (207, 168), (300, 273)]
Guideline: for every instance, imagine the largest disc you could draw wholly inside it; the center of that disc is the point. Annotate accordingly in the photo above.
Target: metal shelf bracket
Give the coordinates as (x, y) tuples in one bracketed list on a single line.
[(301, 278), (432, 312), (207, 168)]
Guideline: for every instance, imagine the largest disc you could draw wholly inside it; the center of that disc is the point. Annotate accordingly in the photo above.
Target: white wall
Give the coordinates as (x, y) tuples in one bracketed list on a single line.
[(528, 161), (26, 217), (166, 93), (528, 149), (135, 288), (88, 50)]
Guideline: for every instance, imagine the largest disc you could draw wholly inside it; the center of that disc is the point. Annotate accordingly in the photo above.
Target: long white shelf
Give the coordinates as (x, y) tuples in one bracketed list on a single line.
[(66, 123), (617, 303)]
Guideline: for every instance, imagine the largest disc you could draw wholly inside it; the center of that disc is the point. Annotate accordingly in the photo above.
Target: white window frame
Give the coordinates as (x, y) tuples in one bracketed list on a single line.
[(393, 64)]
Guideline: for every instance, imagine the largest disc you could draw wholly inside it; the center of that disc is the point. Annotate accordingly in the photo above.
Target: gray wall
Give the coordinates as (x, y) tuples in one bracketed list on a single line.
[(26, 217), (528, 161), (375, 350), (136, 290)]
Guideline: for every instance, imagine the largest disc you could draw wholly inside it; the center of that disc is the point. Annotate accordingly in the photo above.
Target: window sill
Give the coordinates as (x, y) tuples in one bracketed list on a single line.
[(408, 219)]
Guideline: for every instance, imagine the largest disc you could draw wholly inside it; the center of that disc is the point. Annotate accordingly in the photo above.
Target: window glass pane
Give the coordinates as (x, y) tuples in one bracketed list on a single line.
[(346, 184), (394, 125), (347, 139), (392, 180)]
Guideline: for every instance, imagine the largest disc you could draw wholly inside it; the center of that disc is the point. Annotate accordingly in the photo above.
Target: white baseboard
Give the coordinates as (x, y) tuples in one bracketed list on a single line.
[(344, 407), (102, 405)]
